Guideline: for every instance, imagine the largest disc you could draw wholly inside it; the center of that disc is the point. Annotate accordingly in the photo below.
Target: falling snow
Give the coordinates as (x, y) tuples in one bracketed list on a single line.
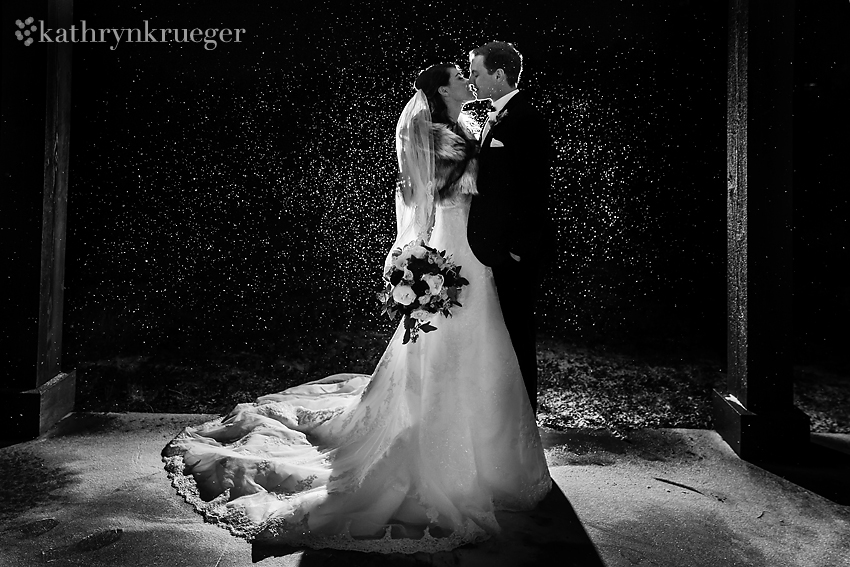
[(248, 189)]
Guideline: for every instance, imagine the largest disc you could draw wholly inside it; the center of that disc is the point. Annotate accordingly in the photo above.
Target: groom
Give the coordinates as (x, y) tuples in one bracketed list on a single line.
[(509, 225)]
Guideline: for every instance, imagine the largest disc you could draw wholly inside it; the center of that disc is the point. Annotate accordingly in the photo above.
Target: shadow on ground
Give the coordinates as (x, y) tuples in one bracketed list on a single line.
[(527, 539), (823, 467)]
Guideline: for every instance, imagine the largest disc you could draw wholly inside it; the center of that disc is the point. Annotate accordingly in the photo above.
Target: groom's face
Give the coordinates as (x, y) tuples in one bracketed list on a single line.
[(484, 81)]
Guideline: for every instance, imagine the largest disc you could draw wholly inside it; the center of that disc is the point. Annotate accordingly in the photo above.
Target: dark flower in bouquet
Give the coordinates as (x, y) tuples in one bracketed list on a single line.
[(421, 283)]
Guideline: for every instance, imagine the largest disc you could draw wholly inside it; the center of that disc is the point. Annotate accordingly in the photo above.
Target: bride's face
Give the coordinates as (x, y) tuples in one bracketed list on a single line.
[(458, 88)]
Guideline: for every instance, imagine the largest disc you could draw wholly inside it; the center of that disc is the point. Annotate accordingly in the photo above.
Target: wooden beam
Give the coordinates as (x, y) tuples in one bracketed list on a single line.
[(36, 409), (54, 209), (756, 414)]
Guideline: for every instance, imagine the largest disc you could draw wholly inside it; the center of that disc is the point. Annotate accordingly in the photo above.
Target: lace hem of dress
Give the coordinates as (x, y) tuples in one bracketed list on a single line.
[(282, 532), (215, 511), (278, 531)]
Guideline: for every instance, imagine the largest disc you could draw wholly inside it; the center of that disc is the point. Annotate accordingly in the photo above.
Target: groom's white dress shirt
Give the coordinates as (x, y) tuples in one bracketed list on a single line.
[(498, 105)]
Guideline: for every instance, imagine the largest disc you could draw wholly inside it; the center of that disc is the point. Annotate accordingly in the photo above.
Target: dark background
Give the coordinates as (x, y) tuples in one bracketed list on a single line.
[(226, 198), (247, 191)]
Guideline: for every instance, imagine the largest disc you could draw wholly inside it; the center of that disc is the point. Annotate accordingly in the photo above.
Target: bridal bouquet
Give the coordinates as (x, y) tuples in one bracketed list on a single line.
[(420, 284)]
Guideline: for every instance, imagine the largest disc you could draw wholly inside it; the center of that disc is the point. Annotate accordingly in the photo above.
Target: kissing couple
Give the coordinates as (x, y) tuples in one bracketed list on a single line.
[(418, 456)]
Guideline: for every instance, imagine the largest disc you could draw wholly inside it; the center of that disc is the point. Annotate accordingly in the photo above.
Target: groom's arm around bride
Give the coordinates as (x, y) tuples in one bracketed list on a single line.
[(509, 227)]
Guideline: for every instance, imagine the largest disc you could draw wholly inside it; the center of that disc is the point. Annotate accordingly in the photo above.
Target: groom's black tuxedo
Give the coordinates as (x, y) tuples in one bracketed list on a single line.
[(510, 214)]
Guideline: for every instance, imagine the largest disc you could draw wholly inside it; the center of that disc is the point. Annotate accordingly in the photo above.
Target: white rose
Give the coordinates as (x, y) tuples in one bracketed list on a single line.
[(404, 294), (435, 283)]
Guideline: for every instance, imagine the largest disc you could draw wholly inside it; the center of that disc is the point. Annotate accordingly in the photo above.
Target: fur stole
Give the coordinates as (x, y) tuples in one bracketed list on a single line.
[(456, 164)]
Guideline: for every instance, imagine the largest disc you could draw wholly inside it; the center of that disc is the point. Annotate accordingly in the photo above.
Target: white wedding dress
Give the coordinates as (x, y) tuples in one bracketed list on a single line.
[(416, 457)]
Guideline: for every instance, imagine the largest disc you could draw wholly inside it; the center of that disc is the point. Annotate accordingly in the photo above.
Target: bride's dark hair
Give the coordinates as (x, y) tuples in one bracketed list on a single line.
[(429, 81)]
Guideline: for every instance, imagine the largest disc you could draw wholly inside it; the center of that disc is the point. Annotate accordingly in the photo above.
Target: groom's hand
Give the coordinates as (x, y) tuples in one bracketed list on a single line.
[(514, 256)]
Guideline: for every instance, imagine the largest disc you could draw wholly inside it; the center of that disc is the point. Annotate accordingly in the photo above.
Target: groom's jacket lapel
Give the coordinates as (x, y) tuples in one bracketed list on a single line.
[(485, 144)]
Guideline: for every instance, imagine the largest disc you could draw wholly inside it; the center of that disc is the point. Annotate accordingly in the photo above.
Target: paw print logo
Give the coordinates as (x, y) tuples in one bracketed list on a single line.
[(28, 28)]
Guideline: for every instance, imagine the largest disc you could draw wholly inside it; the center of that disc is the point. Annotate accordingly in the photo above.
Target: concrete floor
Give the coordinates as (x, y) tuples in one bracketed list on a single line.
[(93, 492)]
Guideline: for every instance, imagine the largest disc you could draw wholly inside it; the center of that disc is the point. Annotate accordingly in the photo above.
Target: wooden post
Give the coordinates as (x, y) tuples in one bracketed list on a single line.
[(38, 409), (756, 413), (54, 208)]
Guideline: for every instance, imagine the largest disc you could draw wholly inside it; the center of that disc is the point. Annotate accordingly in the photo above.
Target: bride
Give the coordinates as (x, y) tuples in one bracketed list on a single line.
[(419, 455)]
